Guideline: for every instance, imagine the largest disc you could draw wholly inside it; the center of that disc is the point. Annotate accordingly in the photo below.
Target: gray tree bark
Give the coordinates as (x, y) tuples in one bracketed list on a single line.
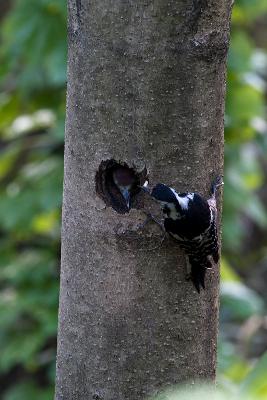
[(146, 85)]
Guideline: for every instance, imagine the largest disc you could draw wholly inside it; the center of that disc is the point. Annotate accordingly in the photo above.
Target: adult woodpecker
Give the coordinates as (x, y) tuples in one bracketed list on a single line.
[(191, 220), (124, 178)]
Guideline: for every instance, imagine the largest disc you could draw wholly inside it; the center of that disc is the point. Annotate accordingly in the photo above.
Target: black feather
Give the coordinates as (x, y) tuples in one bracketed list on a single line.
[(193, 226), (198, 273)]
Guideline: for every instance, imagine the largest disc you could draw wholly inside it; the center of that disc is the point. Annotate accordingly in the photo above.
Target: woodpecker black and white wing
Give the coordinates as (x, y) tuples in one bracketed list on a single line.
[(214, 243), (202, 255), (199, 252), (191, 220)]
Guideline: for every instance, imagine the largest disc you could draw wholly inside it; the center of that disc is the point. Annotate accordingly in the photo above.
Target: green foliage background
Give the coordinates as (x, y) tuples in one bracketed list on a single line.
[(32, 110)]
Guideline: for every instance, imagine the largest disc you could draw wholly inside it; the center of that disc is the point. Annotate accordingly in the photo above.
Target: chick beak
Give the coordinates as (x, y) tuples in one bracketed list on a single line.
[(127, 196)]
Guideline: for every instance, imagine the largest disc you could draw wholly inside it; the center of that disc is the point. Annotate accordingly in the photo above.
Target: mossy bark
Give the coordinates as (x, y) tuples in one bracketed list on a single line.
[(146, 85)]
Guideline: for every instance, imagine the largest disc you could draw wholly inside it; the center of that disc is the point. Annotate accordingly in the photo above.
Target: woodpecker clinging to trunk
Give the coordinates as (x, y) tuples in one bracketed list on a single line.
[(191, 220)]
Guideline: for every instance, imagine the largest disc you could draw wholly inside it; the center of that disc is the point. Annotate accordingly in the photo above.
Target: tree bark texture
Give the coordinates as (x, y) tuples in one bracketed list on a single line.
[(146, 85)]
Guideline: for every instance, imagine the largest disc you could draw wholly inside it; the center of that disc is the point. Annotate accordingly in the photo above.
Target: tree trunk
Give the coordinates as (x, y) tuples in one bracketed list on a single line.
[(146, 84)]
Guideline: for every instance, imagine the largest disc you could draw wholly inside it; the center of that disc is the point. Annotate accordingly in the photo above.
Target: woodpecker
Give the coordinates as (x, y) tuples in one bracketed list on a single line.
[(124, 179), (191, 220)]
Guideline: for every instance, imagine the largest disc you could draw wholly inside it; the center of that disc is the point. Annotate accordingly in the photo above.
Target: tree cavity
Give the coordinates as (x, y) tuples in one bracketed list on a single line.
[(118, 185)]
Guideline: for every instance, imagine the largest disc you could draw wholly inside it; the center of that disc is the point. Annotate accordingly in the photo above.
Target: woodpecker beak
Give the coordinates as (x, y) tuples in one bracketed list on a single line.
[(127, 196), (145, 188)]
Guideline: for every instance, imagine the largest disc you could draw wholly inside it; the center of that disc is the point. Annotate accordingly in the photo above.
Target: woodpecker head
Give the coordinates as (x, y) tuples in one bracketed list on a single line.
[(124, 178), (163, 194), (169, 198)]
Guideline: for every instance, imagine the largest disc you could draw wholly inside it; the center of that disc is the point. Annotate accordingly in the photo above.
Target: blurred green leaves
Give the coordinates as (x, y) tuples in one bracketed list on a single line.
[(239, 302), (245, 11), (245, 131), (253, 386), (34, 36), (29, 390), (255, 383), (32, 111)]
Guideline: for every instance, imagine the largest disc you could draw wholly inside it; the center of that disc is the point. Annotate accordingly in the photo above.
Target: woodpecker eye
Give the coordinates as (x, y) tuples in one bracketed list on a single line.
[(119, 185)]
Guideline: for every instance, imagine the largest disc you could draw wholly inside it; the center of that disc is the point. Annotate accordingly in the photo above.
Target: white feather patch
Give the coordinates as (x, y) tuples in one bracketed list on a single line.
[(183, 201)]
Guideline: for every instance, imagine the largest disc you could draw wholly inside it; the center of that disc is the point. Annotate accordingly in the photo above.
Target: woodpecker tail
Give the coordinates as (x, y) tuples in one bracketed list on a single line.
[(198, 272)]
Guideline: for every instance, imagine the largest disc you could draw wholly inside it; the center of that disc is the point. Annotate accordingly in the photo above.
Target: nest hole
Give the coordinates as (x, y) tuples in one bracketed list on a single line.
[(118, 185)]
